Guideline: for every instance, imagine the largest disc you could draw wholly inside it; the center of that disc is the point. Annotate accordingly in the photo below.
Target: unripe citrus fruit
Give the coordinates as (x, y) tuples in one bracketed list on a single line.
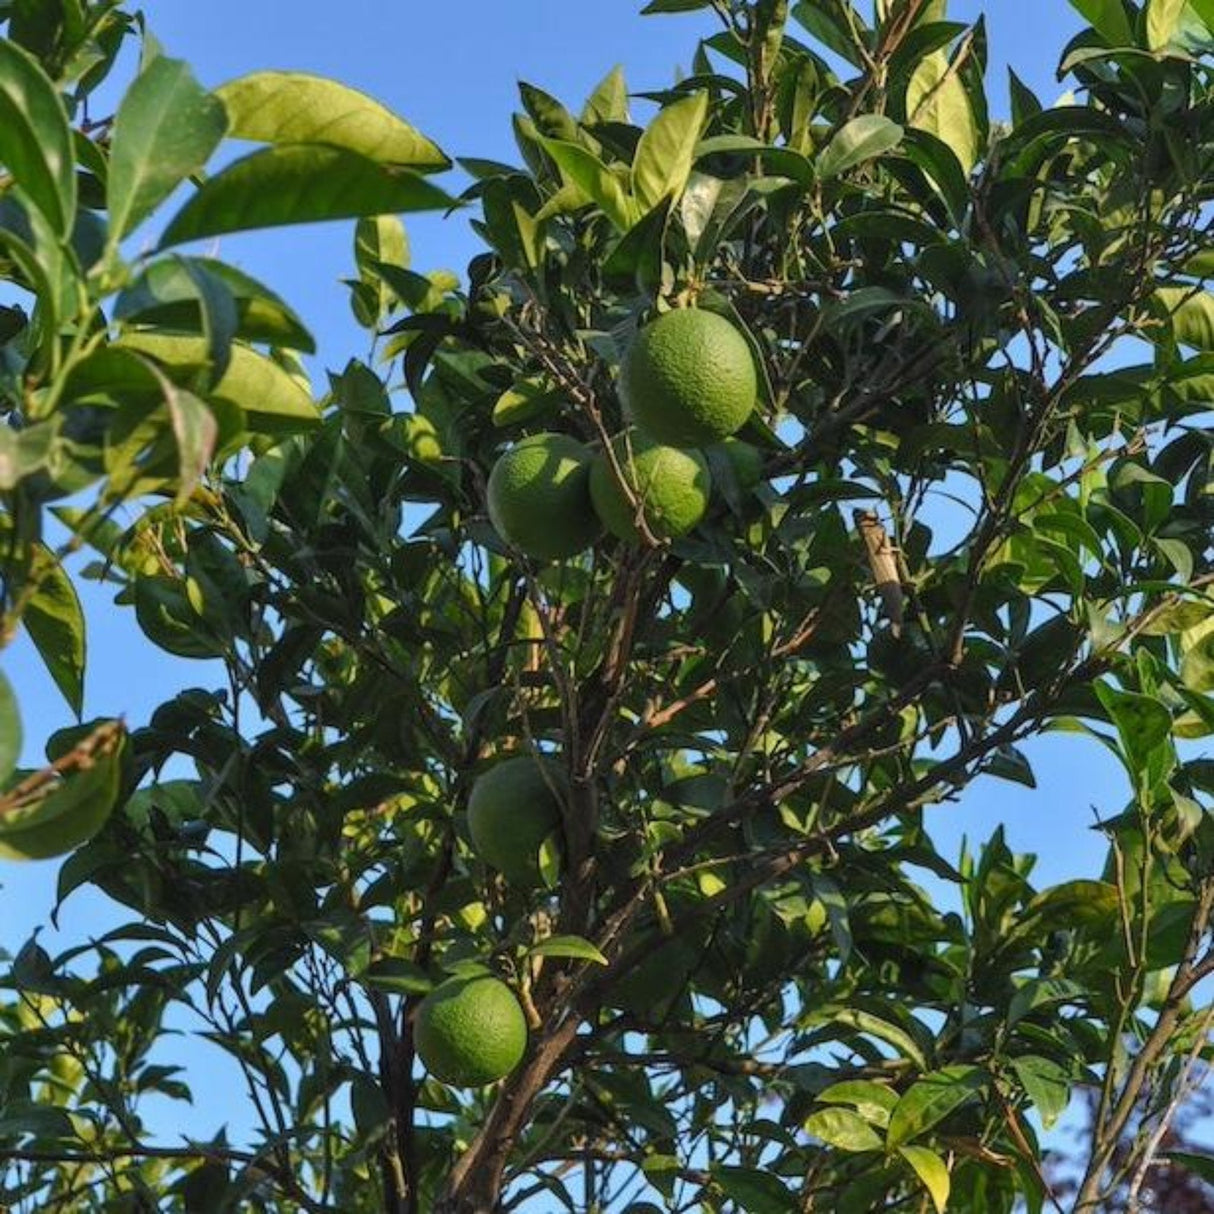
[(670, 484), (513, 808), (470, 1031), (689, 378), (539, 497)]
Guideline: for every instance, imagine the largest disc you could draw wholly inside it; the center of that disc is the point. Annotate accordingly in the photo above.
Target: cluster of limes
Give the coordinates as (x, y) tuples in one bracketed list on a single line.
[(688, 382)]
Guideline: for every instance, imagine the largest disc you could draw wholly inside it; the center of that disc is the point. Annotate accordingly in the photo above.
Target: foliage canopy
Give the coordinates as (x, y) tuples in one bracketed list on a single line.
[(985, 355)]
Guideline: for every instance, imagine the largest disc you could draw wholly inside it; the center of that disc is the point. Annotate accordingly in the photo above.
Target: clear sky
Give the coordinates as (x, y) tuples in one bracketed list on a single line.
[(452, 69)]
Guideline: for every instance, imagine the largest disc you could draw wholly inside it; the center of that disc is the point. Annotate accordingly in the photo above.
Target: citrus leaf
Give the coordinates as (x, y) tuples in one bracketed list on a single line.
[(524, 402), (1045, 1084), (1163, 16), (1193, 1161), (667, 150), (294, 107), (583, 170), (753, 1190), (931, 1099), (936, 102), (1108, 18), (932, 1171), (10, 730), (397, 976), (166, 295), (1191, 314), (1038, 992), (166, 129), (55, 622), (255, 383), (844, 1129), (300, 183), (567, 946), (35, 137), (873, 1101), (609, 100), (861, 139)]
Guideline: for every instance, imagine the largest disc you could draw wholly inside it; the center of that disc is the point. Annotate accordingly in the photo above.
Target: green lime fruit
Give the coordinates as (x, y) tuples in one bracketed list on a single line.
[(470, 1031), (539, 497), (745, 459), (513, 808), (689, 379), (670, 485)]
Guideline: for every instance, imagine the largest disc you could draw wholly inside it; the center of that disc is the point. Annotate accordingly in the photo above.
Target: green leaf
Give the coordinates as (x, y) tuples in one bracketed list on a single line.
[(810, 15), (567, 946), (1080, 903), (1199, 1164), (1142, 722), (844, 1129), (305, 183), (169, 620), (582, 169), (752, 1189), (931, 1099), (667, 149), (165, 130), (1108, 18), (1045, 1084), (525, 401), (258, 385), (877, 1026), (1163, 18), (1197, 656), (932, 1171), (167, 296), (861, 139), (1191, 314), (1039, 992), (55, 622), (10, 730), (36, 139), (936, 102), (609, 100), (397, 976), (873, 1101), (292, 107), (24, 452)]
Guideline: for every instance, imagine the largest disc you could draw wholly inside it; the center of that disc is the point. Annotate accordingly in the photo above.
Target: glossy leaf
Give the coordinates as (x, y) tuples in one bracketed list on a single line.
[(292, 184), (843, 1128), (930, 1099), (937, 102), (1191, 315), (932, 1171), (574, 947), (10, 730), (1108, 18), (296, 108), (35, 139), (270, 397), (165, 130), (667, 150), (596, 181), (861, 139), (1045, 1084), (55, 622)]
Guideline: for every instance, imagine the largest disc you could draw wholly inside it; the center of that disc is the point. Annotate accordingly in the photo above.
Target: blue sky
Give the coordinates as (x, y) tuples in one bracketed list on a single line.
[(452, 70)]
